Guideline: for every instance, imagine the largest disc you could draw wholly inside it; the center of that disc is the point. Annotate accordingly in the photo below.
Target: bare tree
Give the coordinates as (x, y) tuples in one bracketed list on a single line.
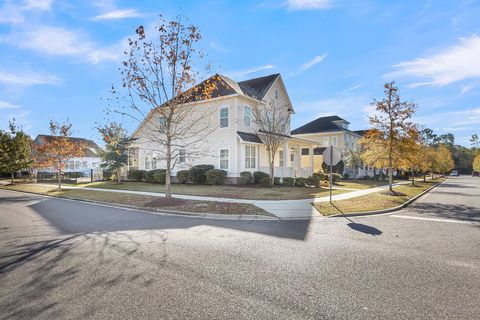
[(159, 79), (273, 121)]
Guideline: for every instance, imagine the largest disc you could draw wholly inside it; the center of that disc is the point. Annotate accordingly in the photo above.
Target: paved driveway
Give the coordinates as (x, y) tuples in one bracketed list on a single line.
[(72, 260)]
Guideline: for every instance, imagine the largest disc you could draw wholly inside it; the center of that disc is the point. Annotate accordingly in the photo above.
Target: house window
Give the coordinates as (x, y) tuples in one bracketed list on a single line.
[(276, 94), (161, 123), (154, 163), (224, 159), (250, 157), (280, 158), (223, 117), (326, 141), (305, 152), (334, 141), (292, 157), (247, 116), (182, 156), (147, 163)]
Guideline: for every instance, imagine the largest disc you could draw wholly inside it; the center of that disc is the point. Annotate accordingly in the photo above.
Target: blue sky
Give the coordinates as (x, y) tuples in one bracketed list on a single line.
[(59, 58)]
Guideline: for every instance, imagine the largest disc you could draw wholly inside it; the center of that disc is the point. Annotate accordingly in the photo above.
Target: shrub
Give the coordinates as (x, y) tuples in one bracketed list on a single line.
[(336, 177), (276, 181), (247, 175), (156, 176), (287, 181), (197, 174), (300, 182), (136, 175), (320, 176), (313, 181), (243, 180), (182, 176), (216, 177), (265, 181), (259, 175)]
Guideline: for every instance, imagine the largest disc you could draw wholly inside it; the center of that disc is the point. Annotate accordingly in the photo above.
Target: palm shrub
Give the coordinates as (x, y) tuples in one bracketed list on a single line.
[(216, 177)]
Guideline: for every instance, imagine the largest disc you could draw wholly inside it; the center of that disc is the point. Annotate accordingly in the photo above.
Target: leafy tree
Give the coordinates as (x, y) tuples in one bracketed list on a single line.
[(273, 122), (58, 149), (475, 141), (15, 150), (428, 161), (390, 125), (115, 155), (158, 76), (444, 159), (411, 148), (476, 163)]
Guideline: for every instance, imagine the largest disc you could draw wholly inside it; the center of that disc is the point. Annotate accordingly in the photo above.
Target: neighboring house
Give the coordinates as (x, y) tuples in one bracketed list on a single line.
[(91, 159), (235, 144), (332, 130)]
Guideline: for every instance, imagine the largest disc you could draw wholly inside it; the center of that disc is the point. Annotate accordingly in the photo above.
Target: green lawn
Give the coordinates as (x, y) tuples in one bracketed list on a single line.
[(147, 202), (374, 201), (254, 192)]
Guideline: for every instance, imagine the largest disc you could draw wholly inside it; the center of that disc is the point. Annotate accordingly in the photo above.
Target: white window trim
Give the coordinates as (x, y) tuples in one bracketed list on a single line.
[(250, 118), (220, 159), (220, 117), (185, 156), (334, 139), (245, 157)]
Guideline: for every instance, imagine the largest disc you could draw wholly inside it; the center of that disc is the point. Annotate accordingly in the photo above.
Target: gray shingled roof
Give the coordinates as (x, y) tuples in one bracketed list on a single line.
[(323, 124), (249, 137), (257, 88)]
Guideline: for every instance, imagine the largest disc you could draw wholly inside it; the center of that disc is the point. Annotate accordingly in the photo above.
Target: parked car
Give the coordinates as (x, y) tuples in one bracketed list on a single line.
[(454, 173), (476, 174)]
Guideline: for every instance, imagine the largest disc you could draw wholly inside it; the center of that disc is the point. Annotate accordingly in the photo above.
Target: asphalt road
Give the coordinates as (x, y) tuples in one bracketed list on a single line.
[(62, 259)]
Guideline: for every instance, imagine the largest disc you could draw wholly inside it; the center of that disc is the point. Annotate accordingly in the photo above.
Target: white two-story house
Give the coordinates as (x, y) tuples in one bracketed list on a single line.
[(234, 143)]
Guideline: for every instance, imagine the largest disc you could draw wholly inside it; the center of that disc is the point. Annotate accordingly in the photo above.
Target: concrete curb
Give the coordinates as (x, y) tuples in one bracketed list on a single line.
[(216, 216), (382, 211)]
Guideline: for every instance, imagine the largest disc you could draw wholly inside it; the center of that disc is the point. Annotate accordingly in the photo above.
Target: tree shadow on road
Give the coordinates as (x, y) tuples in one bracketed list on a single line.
[(451, 211), (363, 228), (77, 217)]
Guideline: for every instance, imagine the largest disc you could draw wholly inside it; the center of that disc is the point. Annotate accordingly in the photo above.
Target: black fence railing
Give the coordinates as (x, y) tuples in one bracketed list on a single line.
[(70, 177)]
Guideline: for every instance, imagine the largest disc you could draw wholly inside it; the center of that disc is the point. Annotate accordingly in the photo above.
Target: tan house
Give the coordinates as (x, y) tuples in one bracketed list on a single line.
[(235, 143)]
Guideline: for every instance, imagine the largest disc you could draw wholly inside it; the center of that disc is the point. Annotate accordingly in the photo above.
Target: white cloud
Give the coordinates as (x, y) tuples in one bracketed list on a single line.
[(27, 78), (307, 65), (7, 105), (309, 4), (242, 73), (10, 14), (355, 87), (453, 64), (37, 4), (58, 41), (118, 14)]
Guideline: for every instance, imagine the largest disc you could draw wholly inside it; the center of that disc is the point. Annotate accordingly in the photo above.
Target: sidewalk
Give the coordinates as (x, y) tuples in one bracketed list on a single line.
[(284, 209)]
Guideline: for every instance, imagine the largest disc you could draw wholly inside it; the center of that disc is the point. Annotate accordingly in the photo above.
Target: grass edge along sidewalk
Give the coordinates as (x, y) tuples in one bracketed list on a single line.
[(151, 203), (378, 202)]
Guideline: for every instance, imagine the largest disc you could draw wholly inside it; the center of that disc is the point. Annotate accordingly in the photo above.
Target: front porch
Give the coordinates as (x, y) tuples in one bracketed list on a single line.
[(296, 158)]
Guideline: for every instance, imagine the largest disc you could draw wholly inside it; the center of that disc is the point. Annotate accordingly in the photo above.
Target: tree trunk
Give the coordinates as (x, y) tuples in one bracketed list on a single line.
[(413, 178), (12, 176), (390, 175), (59, 175), (119, 179), (168, 186), (271, 160), (424, 177)]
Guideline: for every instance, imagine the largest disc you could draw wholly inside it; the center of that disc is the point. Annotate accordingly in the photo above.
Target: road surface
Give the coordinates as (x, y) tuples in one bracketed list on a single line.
[(62, 259)]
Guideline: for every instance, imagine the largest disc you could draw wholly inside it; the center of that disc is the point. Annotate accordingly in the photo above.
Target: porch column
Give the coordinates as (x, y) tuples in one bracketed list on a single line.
[(310, 156), (286, 159)]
